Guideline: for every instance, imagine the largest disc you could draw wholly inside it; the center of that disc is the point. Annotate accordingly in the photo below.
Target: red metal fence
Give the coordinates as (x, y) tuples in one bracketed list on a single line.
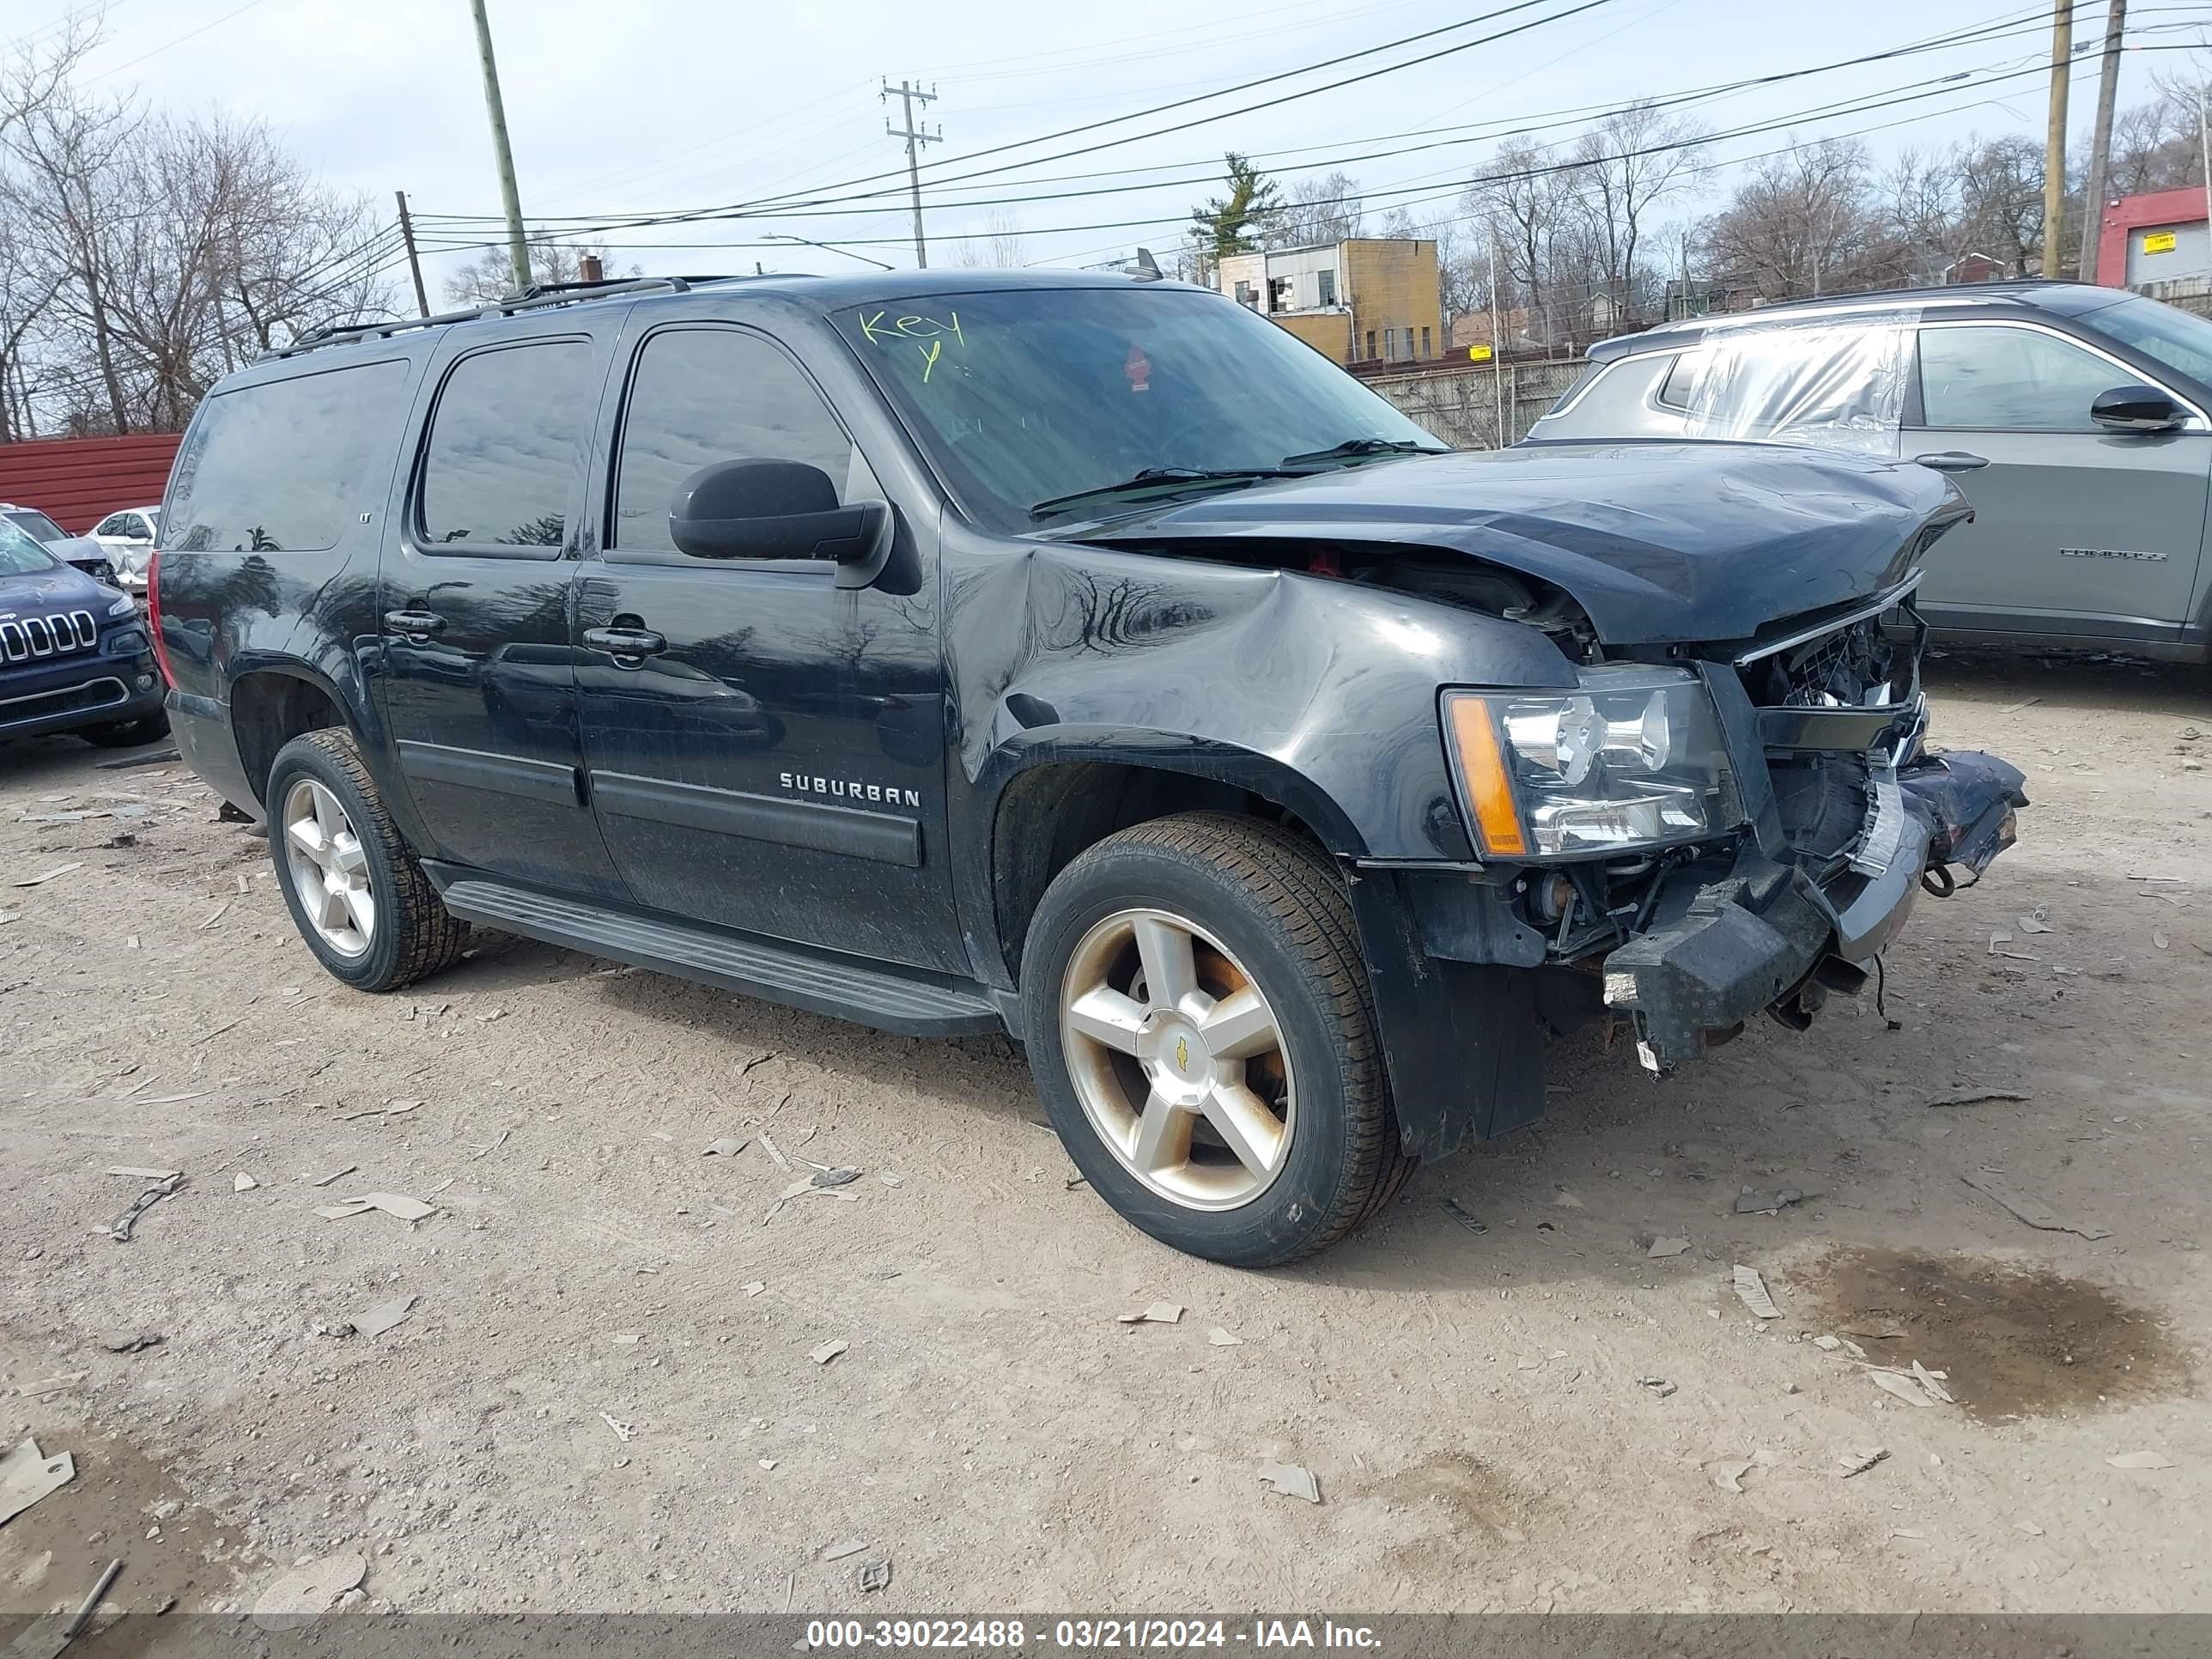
[(77, 482)]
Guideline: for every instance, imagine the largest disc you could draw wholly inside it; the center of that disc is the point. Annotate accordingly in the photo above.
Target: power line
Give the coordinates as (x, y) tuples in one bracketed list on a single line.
[(794, 206), (1457, 189), (193, 34)]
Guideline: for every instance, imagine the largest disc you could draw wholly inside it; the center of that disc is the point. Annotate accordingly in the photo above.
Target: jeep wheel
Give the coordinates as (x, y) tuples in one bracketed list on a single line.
[(127, 734), (356, 893), (1202, 1029)]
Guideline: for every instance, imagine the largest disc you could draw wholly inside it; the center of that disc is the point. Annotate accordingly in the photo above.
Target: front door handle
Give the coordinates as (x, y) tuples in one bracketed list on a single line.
[(416, 626), (634, 644), (1953, 461)]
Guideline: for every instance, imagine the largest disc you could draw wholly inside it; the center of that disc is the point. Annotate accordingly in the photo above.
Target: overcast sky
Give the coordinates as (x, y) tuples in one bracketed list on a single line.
[(656, 105)]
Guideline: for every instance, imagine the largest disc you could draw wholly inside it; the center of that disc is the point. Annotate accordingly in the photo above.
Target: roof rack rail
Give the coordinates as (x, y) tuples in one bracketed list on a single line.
[(533, 298)]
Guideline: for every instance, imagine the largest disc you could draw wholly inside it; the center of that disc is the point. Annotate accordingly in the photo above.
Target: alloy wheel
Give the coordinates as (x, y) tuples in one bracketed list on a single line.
[(1178, 1059), (329, 871)]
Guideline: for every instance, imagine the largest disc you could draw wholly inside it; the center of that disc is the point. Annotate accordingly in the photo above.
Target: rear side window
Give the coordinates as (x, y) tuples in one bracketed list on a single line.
[(507, 445), (702, 395), (281, 467)]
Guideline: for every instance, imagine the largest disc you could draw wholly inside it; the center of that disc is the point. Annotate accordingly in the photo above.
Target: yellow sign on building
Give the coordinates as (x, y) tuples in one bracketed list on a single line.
[(2158, 241), (1478, 354)]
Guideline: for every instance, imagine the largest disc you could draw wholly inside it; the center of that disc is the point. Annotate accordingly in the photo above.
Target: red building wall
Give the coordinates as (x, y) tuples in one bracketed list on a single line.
[(77, 482)]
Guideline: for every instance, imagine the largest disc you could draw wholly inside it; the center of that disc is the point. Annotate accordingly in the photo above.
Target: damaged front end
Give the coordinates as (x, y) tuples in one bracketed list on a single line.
[(1805, 747)]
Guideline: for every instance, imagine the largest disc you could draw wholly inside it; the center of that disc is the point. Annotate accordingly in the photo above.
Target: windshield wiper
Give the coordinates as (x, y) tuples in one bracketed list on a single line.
[(1153, 476), (1358, 448)]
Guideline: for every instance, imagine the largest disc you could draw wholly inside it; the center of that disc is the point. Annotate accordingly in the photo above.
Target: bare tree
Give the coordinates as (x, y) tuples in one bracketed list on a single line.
[(148, 256), (1327, 209), (1519, 203), (491, 277), (1626, 166), (1797, 225), (1000, 248)]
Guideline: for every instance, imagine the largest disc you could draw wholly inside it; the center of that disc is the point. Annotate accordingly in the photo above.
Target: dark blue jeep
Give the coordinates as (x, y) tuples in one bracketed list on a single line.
[(74, 652)]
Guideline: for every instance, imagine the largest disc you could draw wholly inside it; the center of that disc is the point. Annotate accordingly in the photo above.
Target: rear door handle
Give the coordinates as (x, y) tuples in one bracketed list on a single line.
[(416, 625), (1952, 460), (635, 643)]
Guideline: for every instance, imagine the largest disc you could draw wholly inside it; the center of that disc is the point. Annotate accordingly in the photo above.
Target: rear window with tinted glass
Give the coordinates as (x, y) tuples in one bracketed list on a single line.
[(282, 467), (506, 447)]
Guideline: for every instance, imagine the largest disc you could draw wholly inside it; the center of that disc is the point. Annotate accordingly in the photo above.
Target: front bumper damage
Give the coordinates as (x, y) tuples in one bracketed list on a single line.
[(1725, 941)]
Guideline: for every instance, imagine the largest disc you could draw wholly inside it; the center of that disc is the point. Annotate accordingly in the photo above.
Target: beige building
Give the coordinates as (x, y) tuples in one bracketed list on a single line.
[(1372, 299)]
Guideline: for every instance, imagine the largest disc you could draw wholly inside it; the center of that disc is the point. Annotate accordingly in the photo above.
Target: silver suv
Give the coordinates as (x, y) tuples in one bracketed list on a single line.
[(2074, 417)]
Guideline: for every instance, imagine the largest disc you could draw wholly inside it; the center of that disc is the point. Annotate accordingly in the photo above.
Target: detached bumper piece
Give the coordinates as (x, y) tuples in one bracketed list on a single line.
[(1723, 946), (1968, 800)]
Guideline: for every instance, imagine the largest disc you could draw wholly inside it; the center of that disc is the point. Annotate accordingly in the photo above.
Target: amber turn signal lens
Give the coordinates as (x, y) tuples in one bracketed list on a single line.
[(1482, 771)]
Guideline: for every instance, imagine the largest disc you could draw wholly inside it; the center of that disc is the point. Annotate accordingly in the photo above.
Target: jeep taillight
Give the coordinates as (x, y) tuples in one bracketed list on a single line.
[(154, 618)]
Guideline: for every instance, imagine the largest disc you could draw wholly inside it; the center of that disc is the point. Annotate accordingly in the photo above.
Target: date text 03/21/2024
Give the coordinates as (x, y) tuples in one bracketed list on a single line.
[(1087, 1634)]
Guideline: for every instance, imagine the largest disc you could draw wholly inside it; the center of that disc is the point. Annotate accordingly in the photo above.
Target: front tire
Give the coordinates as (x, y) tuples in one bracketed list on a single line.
[(356, 891), (1202, 1031)]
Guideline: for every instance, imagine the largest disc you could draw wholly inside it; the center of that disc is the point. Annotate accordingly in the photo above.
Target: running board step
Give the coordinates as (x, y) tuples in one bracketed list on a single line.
[(843, 988)]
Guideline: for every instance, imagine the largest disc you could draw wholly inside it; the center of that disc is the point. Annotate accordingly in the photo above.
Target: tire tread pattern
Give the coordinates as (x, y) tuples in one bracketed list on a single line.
[(431, 937)]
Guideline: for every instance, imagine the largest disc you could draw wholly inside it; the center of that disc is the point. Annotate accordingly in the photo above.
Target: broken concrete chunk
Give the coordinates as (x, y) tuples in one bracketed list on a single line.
[(1291, 1481), (1928, 1380), (876, 1574), (1751, 1290), (243, 1182), (1826, 1344), (828, 1351), (833, 1177), (727, 1146), (1662, 1247), (1221, 1339), (130, 1341)]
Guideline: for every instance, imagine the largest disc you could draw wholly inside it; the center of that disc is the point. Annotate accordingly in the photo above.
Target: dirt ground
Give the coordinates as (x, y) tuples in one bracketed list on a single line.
[(606, 1392)]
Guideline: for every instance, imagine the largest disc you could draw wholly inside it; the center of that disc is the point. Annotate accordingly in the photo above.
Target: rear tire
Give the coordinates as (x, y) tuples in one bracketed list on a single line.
[(356, 890), (128, 734), (1275, 1134)]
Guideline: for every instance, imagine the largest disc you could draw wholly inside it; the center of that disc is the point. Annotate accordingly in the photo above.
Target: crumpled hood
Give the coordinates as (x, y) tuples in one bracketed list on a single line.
[(1658, 542)]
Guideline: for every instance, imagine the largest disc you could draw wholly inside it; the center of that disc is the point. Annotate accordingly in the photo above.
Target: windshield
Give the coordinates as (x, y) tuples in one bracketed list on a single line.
[(2181, 341), (37, 525), (1023, 397), (20, 556)]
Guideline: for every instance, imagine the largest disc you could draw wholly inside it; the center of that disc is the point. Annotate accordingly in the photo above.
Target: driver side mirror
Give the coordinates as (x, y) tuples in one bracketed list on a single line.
[(766, 509), (2136, 409)]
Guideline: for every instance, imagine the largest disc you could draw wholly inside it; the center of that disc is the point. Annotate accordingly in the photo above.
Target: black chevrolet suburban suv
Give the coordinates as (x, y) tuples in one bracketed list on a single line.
[(1074, 656)]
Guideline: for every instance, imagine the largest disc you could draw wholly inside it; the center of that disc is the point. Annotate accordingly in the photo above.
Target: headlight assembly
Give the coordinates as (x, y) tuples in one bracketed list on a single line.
[(1632, 759), (122, 605)]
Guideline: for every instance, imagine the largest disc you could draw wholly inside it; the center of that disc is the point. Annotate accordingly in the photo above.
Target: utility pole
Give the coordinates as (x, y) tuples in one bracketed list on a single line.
[(1497, 347), (517, 249), (2100, 142), (915, 137), (2054, 138), (414, 264), (2204, 153)]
